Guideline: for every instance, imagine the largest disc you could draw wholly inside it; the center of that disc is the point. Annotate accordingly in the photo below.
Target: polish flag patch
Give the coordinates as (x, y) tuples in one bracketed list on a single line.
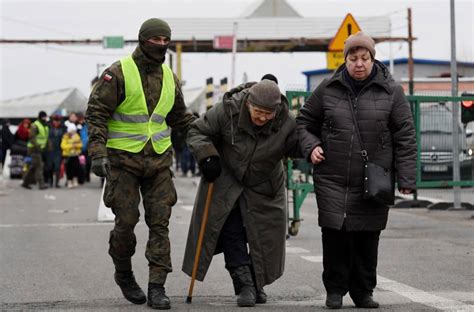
[(107, 77)]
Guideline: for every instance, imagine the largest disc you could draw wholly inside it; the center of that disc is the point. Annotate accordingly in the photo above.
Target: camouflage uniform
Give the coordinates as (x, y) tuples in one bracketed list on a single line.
[(36, 168), (145, 172)]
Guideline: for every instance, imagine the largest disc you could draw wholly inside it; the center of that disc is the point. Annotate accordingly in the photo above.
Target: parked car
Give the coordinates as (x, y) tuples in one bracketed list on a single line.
[(436, 138)]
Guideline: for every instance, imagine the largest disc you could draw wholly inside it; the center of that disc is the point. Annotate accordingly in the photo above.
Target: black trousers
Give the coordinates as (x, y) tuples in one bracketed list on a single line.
[(350, 261), (233, 241)]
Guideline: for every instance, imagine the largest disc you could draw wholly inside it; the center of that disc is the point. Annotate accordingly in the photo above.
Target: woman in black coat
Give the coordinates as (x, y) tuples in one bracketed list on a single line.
[(350, 224)]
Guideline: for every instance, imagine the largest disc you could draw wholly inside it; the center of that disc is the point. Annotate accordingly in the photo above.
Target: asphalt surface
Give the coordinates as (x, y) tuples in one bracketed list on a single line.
[(53, 256)]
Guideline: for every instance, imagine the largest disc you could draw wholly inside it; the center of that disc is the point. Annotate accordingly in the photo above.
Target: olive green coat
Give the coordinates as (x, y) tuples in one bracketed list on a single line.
[(252, 178)]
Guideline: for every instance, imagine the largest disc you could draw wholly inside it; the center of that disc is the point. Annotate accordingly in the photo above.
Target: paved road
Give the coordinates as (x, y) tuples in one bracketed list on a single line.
[(53, 256)]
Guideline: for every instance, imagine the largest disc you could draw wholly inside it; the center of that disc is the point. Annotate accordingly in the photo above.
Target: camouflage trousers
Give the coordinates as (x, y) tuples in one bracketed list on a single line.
[(150, 176), (35, 170)]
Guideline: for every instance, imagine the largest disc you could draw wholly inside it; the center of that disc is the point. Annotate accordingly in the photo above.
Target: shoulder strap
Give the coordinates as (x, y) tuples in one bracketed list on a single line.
[(363, 151)]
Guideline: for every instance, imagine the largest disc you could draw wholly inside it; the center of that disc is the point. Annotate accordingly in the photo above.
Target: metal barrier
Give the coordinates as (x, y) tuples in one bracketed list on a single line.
[(299, 171), (435, 138), (434, 132)]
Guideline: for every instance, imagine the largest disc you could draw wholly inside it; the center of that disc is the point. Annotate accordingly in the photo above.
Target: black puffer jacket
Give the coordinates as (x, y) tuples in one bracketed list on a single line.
[(388, 133)]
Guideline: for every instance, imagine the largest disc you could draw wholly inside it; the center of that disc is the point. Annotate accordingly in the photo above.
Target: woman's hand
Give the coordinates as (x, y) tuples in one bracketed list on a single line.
[(317, 155), (406, 191)]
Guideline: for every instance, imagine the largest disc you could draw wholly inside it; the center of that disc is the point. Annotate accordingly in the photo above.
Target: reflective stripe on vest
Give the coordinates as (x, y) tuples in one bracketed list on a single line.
[(42, 136), (130, 126)]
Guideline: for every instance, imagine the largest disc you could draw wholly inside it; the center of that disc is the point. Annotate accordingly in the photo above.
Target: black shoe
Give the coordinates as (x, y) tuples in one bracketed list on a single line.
[(23, 185), (157, 298), (261, 296), (43, 187), (130, 289), (333, 301), (366, 302), (243, 286)]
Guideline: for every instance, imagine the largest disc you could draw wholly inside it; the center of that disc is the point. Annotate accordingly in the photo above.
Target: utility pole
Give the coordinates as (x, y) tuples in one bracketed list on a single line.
[(410, 55), (454, 92), (234, 51)]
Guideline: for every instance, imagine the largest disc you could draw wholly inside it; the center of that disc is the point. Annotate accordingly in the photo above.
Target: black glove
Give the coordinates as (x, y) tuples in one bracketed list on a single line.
[(100, 166), (211, 168)]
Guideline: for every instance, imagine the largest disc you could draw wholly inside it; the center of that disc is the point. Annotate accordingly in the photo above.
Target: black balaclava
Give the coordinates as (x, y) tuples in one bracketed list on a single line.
[(149, 29)]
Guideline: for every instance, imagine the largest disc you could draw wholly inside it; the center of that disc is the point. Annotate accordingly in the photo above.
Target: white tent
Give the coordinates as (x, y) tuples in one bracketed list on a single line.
[(61, 101)]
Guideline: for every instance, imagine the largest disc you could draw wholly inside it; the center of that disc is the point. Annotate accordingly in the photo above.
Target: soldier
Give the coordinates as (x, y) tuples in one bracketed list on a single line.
[(244, 137), (130, 112), (37, 140)]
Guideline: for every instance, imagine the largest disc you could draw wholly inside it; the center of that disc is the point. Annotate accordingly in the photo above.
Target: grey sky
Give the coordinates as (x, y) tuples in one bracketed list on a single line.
[(29, 69)]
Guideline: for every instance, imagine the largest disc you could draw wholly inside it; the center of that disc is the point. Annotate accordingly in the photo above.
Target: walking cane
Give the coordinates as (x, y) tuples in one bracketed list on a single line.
[(199, 244)]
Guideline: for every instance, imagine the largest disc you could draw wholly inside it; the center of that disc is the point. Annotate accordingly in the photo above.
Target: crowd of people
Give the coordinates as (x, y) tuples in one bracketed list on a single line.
[(51, 149)]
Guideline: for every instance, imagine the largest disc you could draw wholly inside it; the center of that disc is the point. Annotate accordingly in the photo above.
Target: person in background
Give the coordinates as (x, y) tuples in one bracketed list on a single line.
[(84, 158), (239, 145), (350, 224), (71, 146), (23, 131), (37, 142), (131, 110), (54, 156), (178, 139), (270, 77), (7, 139), (72, 119)]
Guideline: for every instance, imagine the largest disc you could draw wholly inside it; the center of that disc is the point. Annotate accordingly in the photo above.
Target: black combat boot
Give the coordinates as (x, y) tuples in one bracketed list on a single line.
[(365, 302), (333, 301), (261, 296), (157, 298), (243, 286), (130, 289)]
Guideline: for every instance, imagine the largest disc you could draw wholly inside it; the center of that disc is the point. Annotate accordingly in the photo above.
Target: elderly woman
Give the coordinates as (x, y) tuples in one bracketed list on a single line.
[(351, 225), (239, 145)]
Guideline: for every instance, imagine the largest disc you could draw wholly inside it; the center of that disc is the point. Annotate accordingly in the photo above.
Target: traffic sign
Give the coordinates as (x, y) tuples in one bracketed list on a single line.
[(113, 42), (348, 27), (334, 59), (223, 42)]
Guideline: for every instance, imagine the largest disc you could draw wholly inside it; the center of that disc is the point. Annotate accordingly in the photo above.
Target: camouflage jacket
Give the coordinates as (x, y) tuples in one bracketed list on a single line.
[(109, 91)]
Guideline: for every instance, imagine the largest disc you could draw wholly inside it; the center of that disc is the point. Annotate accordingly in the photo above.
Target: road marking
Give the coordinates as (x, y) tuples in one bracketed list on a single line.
[(317, 259), (58, 211), (59, 225), (302, 303), (187, 207), (420, 296), (296, 250), (414, 294)]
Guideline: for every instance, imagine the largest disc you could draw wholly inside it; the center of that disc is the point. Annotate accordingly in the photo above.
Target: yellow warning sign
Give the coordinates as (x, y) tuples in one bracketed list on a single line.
[(348, 27), (334, 59)]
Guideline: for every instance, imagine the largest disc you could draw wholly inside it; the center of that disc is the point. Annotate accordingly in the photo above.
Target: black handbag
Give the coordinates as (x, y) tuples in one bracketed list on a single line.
[(379, 182)]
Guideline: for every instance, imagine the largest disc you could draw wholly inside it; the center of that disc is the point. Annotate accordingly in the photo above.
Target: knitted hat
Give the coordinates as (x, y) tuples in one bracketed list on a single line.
[(359, 39), (265, 94), (270, 77), (154, 27), (71, 127), (42, 114)]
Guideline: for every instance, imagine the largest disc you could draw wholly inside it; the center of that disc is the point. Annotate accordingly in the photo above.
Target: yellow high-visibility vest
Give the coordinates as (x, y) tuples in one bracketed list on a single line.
[(130, 126), (42, 137)]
